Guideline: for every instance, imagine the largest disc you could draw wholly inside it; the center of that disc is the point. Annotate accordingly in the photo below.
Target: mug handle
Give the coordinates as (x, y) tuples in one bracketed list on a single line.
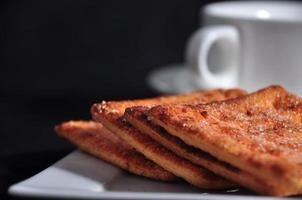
[(197, 54)]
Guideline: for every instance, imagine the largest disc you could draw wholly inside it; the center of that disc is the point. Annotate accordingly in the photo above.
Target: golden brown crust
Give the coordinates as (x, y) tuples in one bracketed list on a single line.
[(196, 97), (259, 133), (168, 160), (111, 115), (137, 116), (95, 139)]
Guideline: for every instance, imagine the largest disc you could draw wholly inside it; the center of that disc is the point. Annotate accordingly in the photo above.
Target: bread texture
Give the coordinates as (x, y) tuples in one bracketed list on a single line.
[(95, 139), (137, 116), (111, 114), (259, 134)]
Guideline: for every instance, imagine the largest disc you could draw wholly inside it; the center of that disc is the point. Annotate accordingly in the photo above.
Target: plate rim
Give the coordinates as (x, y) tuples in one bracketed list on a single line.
[(20, 189)]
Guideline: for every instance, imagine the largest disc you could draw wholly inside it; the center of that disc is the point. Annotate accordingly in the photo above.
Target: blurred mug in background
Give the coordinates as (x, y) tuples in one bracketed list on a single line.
[(248, 45)]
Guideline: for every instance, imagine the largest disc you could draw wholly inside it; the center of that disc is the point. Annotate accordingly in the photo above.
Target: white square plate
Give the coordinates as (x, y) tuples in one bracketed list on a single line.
[(81, 176)]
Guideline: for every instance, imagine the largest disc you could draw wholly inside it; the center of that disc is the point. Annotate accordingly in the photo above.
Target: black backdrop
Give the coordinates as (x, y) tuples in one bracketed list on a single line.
[(91, 47), (58, 57)]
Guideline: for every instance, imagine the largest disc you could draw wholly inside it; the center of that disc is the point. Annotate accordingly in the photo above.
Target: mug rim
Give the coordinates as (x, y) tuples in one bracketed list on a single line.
[(256, 10)]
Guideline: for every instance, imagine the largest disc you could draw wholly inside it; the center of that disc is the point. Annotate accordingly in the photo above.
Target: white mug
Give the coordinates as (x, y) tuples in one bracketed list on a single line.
[(249, 45)]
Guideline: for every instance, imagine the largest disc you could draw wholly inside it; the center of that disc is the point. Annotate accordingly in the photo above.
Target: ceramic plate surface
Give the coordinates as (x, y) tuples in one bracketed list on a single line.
[(81, 176), (173, 79)]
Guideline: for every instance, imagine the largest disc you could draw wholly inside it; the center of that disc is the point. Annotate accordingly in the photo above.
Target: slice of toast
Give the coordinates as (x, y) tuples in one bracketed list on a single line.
[(96, 140), (111, 115), (138, 117), (260, 134)]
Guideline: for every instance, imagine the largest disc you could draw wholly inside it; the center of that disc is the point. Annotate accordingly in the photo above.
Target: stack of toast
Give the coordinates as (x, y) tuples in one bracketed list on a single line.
[(214, 139)]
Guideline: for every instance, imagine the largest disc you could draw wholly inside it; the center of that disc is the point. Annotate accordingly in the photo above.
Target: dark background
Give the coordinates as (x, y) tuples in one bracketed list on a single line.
[(59, 57)]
